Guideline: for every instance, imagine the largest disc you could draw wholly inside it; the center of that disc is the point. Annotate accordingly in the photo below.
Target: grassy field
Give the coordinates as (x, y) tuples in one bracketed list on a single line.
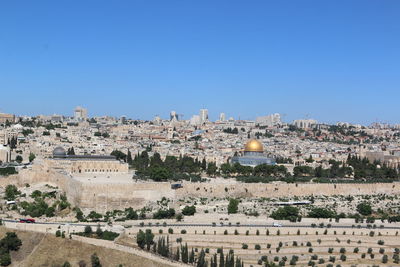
[(47, 250)]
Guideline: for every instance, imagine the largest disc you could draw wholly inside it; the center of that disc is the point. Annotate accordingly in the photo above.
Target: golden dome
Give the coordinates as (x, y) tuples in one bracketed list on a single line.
[(253, 146)]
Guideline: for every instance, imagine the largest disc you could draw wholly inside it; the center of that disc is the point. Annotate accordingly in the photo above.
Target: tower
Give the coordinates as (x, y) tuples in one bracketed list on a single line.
[(173, 116), (222, 117), (203, 115), (80, 113)]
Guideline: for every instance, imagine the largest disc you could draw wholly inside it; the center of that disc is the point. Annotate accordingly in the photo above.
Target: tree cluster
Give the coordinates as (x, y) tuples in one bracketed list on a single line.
[(172, 168), (40, 207), (7, 171), (363, 168), (263, 170), (11, 192), (360, 168), (71, 151), (233, 206), (189, 210), (321, 213), (286, 213), (105, 134), (229, 130), (164, 214), (99, 234), (145, 240), (10, 242)]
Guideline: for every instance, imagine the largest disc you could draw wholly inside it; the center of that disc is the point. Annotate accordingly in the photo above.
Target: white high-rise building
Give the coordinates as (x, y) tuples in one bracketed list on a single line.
[(203, 115), (195, 120), (222, 117), (269, 120), (305, 124), (157, 120), (80, 114), (123, 119), (173, 116)]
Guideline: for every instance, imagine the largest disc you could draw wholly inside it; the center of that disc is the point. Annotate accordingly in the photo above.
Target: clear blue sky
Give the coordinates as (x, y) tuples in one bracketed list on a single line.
[(333, 60)]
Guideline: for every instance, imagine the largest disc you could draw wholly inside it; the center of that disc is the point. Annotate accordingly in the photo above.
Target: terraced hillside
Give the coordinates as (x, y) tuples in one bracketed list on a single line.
[(303, 246)]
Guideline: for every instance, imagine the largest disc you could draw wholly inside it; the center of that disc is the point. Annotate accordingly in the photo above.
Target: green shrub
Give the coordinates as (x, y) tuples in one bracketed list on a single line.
[(189, 210)]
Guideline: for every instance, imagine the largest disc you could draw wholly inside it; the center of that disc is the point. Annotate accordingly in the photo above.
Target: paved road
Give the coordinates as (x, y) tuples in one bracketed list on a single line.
[(55, 223), (358, 226), (268, 226)]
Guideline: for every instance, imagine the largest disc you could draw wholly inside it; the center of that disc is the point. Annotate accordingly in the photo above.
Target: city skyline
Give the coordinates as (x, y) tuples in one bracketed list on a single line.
[(215, 117), (324, 60)]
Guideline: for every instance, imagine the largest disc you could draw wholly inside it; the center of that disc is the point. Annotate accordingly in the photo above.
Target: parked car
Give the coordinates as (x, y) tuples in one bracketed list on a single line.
[(27, 220), (176, 186)]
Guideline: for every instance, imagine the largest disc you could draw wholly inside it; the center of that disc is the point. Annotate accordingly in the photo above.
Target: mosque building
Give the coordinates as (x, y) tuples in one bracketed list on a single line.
[(86, 163), (253, 155)]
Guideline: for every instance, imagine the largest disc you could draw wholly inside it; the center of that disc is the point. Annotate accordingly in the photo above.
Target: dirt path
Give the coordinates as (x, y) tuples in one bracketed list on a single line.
[(23, 262), (137, 252)]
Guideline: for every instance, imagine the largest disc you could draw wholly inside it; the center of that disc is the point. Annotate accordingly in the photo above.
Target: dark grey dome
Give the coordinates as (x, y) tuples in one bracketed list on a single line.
[(59, 152)]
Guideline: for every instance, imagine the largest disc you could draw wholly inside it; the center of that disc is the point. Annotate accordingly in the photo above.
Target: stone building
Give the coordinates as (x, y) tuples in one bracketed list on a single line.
[(6, 117), (75, 164), (5, 155)]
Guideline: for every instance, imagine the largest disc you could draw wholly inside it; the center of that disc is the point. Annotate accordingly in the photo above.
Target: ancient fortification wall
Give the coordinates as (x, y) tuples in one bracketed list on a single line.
[(102, 197), (119, 196), (284, 190)]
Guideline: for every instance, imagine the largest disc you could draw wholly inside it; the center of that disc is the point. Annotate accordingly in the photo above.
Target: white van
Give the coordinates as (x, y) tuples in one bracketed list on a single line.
[(276, 224)]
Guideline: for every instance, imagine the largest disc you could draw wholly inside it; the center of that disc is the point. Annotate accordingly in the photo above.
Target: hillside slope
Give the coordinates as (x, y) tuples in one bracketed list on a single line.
[(41, 250)]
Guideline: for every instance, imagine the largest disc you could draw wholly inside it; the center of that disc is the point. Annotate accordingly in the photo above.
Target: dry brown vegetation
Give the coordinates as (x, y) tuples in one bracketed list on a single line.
[(47, 250)]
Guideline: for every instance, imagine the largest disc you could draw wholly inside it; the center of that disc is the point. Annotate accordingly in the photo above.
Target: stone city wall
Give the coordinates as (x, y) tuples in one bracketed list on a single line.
[(284, 190), (106, 197), (72, 187), (95, 196)]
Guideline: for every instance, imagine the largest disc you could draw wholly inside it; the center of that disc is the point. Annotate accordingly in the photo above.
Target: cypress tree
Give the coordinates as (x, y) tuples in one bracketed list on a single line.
[(191, 257), (95, 260), (230, 262), (238, 262), (204, 164), (201, 262), (185, 253), (214, 260), (177, 255), (221, 258), (167, 248), (159, 246), (71, 151), (129, 158)]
